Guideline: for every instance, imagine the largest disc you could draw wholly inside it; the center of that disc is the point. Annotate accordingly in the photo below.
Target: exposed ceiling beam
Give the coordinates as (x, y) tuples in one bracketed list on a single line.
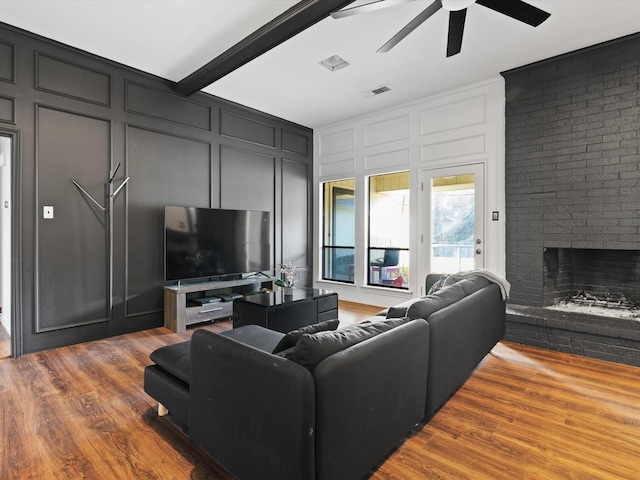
[(298, 18)]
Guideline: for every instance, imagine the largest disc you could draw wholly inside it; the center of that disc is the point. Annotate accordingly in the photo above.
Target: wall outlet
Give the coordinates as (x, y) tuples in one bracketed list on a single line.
[(47, 212)]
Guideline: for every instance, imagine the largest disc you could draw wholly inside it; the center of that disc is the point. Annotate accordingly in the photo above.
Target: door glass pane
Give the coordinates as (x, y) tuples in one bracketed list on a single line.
[(389, 230), (453, 223), (338, 231)]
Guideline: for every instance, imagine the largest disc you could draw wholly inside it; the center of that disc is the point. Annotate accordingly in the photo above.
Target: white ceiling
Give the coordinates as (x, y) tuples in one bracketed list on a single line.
[(173, 38)]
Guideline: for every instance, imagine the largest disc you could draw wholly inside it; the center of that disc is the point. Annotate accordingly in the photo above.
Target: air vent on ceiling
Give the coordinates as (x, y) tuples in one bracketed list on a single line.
[(377, 91), (334, 62)]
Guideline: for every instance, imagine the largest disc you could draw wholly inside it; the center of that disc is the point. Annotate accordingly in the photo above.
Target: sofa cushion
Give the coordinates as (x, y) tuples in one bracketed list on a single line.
[(436, 301), (290, 339), (175, 359), (311, 349)]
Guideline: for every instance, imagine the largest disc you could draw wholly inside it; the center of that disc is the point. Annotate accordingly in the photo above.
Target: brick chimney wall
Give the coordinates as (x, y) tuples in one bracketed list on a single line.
[(572, 155)]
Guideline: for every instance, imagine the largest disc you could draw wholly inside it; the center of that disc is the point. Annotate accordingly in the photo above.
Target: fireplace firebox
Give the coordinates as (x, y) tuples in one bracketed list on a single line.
[(592, 277)]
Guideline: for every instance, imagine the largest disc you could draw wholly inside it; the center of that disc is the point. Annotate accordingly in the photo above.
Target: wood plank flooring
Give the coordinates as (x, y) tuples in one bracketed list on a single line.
[(80, 412)]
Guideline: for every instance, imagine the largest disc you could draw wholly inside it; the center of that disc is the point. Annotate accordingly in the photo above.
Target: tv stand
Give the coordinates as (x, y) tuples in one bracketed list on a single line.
[(187, 304)]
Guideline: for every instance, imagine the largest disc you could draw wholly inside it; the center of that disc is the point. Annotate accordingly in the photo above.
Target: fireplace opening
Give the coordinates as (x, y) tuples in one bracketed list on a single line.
[(593, 281)]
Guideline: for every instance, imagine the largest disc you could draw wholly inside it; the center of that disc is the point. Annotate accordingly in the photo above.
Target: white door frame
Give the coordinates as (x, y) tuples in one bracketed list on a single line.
[(14, 259), (426, 175)]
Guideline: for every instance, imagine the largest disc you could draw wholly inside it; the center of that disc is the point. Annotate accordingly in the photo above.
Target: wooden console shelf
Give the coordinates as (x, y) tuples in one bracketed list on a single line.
[(180, 308)]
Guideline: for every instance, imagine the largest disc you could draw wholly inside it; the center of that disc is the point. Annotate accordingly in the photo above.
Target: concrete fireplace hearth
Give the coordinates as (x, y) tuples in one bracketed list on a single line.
[(572, 188)]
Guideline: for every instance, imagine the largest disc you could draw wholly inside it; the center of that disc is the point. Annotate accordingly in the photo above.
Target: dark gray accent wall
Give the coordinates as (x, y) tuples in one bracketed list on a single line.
[(572, 159), (572, 182), (78, 117)]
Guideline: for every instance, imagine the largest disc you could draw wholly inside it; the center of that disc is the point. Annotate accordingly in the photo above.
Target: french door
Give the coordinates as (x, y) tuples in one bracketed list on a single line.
[(452, 219)]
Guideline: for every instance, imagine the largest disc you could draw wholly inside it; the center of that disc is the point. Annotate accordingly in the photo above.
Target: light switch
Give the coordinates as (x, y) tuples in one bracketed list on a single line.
[(47, 212)]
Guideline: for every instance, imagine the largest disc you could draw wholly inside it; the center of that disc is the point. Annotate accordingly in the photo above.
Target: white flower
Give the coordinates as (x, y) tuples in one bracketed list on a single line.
[(289, 272)]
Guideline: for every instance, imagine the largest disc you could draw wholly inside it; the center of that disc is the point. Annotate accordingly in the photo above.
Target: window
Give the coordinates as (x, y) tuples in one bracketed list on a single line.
[(389, 230), (338, 230), (452, 223)]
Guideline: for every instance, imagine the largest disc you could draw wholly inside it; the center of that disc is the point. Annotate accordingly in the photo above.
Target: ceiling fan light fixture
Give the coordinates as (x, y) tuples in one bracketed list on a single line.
[(455, 5), (334, 62)]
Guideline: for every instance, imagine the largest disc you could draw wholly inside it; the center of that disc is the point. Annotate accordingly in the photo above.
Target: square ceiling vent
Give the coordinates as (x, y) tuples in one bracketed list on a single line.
[(334, 62)]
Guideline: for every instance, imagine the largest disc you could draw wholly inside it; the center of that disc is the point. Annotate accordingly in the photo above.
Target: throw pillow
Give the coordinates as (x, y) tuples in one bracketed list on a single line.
[(310, 350), (400, 310), (396, 312), (290, 339), (443, 281)]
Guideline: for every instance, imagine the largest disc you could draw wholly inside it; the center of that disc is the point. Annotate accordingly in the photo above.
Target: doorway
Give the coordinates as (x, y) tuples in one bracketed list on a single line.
[(452, 225), (6, 157)]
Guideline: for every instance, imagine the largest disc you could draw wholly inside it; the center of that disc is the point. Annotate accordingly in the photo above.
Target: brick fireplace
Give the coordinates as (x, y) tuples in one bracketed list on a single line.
[(573, 198)]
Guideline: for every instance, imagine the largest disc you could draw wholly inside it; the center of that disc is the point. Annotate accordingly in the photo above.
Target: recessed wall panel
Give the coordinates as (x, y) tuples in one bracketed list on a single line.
[(166, 106), (247, 129), (7, 62), (71, 247), (295, 143), (295, 221), (7, 110), (164, 170), (398, 158), (68, 79), (337, 142), (454, 148), (341, 167), (464, 113), (246, 180), (390, 130)]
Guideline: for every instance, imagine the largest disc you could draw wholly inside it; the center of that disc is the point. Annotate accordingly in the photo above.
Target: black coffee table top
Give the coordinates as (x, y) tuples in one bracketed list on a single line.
[(279, 298)]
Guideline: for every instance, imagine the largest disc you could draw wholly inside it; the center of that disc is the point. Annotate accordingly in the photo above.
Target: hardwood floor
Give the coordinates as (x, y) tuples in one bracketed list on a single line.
[(81, 412)]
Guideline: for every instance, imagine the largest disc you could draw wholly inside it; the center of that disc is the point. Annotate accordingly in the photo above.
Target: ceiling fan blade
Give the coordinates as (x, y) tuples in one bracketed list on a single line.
[(456, 29), (411, 26), (367, 7), (518, 10)]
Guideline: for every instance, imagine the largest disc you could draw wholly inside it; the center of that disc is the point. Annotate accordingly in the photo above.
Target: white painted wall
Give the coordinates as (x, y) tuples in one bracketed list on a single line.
[(5, 233), (460, 127)]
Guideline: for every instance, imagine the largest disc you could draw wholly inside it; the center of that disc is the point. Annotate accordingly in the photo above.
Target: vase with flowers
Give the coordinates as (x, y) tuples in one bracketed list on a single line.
[(289, 273)]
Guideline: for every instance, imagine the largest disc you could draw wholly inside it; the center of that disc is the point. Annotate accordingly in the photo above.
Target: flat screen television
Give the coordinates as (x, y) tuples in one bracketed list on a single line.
[(212, 243)]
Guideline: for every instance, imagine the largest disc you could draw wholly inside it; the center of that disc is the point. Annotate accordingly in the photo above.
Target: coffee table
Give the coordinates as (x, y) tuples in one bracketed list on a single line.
[(283, 313)]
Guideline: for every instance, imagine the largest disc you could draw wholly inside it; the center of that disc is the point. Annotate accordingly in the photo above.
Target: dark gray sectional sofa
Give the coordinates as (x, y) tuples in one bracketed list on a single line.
[(328, 404)]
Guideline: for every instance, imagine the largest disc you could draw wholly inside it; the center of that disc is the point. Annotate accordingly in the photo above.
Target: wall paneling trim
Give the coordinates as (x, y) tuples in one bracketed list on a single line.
[(79, 116), (457, 128)]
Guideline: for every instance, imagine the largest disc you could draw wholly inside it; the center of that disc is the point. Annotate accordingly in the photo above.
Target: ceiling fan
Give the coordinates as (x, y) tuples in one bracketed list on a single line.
[(516, 9)]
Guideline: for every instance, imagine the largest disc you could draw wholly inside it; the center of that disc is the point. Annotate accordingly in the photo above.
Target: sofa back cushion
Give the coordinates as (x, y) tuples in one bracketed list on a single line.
[(442, 296), (291, 338), (311, 349), (436, 301)]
